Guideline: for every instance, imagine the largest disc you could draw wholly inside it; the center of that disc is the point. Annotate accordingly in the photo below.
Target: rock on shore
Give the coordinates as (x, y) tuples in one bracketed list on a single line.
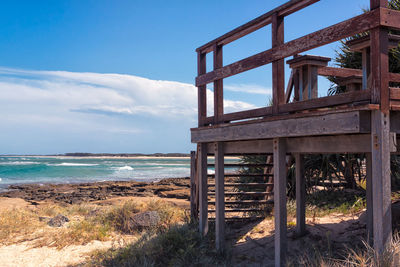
[(86, 192)]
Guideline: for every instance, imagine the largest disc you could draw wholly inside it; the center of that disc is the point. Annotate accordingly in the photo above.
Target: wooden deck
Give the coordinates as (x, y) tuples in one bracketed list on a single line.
[(364, 120)]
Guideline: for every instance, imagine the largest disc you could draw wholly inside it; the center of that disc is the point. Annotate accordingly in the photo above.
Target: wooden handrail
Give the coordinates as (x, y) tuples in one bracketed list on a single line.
[(319, 38), (255, 24)]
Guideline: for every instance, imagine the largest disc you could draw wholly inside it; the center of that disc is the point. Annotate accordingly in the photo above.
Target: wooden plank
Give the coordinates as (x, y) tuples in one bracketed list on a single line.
[(389, 18), (339, 72), (257, 23), (242, 175), (280, 213), (319, 38), (193, 191), (278, 66), (381, 189), (242, 115), (300, 196), (370, 216), (380, 68), (201, 90), (339, 123), (218, 87), (394, 77), (245, 202), (326, 101), (243, 184), (240, 210), (238, 165), (220, 197), (243, 193), (203, 188), (352, 143), (394, 93)]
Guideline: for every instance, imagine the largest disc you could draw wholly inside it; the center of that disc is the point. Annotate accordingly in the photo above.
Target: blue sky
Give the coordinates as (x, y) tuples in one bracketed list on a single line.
[(117, 76)]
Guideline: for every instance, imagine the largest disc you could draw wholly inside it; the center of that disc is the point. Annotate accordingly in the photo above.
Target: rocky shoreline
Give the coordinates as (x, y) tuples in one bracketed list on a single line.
[(88, 192)]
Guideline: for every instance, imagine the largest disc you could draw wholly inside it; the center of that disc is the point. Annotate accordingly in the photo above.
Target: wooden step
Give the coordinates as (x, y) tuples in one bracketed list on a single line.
[(244, 184), (243, 175), (243, 193), (240, 210), (244, 202), (238, 165)]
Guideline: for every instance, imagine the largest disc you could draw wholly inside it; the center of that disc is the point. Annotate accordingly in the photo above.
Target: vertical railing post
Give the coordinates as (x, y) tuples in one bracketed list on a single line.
[(218, 86), (380, 135), (193, 187), (203, 188), (278, 67), (202, 89), (219, 197)]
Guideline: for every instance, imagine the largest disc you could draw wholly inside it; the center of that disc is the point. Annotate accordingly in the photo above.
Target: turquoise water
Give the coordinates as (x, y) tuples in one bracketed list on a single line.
[(17, 170)]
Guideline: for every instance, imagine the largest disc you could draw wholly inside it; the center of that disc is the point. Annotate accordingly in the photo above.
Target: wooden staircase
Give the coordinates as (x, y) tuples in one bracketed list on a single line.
[(248, 190)]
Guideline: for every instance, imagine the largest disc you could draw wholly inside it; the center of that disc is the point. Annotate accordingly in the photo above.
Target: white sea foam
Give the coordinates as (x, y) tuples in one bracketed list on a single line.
[(125, 168), (19, 163), (70, 164)]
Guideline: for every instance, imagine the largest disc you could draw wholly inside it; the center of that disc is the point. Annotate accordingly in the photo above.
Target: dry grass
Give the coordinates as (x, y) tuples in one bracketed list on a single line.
[(366, 256), (17, 224), (87, 222)]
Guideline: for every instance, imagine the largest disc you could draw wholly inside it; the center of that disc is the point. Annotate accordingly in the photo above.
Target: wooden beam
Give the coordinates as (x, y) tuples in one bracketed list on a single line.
[(336, 123), (380, 68), (327, 101), (280, 213), (390, 18), (370, 216), (247, 114), (218, 86), (381, 189), (257, 23), (201, 90), (219, 197), (278, 66), (339, 72), (300, 196), (203, 188), (319, 38), (193, 191)]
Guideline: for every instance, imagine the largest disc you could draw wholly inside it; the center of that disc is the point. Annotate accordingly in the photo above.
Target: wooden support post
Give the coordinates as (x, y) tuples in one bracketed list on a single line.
[(381, 189), (280, 213), (203, 188), (193, 190), (202, 90), (219, 197), (380, 68), (218, 86), (370, 217), (300, 196), (278, 67)]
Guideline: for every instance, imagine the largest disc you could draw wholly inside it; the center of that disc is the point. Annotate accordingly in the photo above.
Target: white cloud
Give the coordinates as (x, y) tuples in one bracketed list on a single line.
[(108, 93), (72, 104), (248, 88)]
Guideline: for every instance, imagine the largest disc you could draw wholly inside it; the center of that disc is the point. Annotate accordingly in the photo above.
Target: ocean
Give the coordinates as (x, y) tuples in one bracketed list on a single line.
[(40, 169)]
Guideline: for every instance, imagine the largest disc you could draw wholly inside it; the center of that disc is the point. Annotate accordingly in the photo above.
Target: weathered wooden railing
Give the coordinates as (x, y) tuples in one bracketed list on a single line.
[(372, 20)]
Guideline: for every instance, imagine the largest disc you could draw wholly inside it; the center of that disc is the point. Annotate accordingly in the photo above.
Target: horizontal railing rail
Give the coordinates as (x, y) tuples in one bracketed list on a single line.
[(255, 24)]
